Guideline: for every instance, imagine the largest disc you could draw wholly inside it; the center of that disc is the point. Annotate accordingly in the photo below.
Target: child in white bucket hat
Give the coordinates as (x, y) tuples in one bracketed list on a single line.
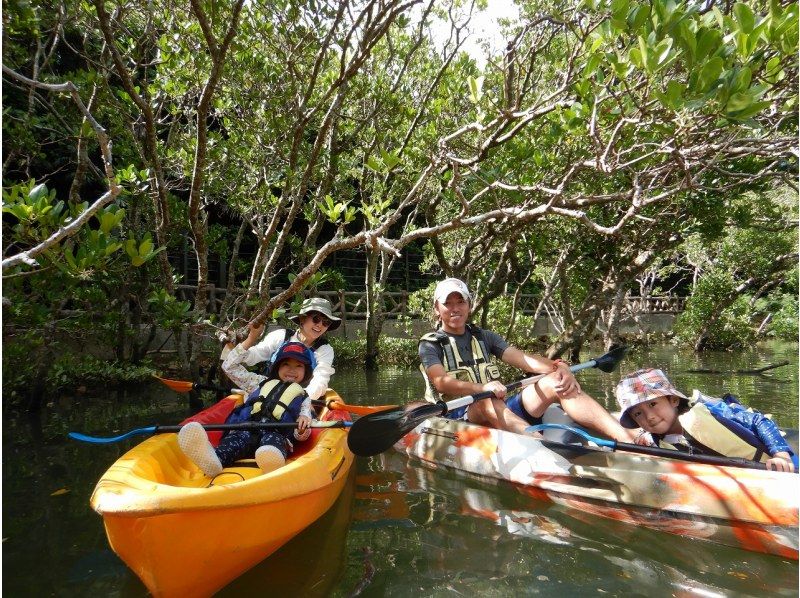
[(718, 427)]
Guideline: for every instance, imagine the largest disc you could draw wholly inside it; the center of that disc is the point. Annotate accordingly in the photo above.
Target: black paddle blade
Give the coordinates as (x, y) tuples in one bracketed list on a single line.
[(608, 362), (377, 432)]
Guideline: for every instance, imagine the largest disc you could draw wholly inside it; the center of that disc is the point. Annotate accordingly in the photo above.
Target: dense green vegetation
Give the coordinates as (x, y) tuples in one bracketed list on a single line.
[(611, 148)]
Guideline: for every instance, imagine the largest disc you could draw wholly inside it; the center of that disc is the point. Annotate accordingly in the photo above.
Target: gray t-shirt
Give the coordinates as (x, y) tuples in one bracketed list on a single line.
[(430, 353)]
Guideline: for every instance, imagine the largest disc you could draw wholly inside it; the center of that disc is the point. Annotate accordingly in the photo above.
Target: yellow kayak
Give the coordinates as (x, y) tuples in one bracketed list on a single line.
[(184, 534)]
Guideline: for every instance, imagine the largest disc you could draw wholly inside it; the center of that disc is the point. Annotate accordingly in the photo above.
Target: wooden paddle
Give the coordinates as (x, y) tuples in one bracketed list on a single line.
[(653, 451), (183, 386), (375, 433), (209, 427)]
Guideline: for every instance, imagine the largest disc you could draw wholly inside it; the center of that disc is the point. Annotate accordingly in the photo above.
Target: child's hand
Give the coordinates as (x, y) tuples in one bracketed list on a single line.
[(643, 438), (781, 462), (303, 430)]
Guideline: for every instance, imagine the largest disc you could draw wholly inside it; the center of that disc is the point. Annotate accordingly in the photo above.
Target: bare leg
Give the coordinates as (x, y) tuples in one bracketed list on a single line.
[(580, 407), (495, 414)]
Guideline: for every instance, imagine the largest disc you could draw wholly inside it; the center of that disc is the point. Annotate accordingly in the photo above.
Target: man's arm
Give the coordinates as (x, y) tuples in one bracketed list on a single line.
[(448, 385), (533, 364), (566, 385)]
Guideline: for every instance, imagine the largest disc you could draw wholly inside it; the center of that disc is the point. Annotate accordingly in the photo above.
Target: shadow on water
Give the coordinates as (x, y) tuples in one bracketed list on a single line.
[(401, 529)]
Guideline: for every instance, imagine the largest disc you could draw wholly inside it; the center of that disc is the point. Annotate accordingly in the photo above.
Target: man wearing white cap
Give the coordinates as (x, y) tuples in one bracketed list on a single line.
[(456, 362)]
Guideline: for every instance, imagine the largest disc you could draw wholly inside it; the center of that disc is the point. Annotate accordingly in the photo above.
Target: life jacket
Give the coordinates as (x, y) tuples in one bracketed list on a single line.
[(476, 367), (287, 334), (273, 401), (711, 434)]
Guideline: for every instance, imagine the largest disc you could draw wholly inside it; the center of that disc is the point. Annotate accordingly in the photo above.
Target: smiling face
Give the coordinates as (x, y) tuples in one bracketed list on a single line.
[(312, 326), (659, 416), (291, 370), (453, 313)]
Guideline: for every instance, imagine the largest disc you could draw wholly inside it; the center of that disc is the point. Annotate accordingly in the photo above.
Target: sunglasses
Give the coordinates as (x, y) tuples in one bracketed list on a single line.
[(320, 319)]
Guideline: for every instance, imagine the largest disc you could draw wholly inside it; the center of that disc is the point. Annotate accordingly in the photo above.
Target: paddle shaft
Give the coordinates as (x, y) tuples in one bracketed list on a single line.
[(468, 400), (249, 426), (654, 451)]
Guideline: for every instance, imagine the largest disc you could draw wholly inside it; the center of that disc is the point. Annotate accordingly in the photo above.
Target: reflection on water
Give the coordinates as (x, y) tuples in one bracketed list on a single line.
[(474, 538), (400, 528)]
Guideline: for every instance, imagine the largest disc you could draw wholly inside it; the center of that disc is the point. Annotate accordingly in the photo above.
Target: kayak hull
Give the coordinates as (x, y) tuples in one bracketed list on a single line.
[(185, 534), (752, 509)]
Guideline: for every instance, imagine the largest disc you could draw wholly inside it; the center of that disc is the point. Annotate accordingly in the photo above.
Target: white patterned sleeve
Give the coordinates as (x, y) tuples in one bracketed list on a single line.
[(234, 368)]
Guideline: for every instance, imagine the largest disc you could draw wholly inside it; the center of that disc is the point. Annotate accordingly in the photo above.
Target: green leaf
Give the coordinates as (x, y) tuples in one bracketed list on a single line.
[(739, 101), (744, 17), (37, 193), (643, 52), (637, 17), (742, 80), (131, 248), (749, 111), (70, 258), (773, 72), (709, 74), (389, 159), (708, 42), (475, 89), (662, 52)]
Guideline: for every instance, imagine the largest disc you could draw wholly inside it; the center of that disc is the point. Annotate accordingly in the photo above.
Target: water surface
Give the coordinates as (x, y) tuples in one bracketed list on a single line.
[(399, 529)]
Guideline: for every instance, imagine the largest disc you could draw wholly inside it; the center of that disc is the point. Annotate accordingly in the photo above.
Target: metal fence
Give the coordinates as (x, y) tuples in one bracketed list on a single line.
[(351, 305)]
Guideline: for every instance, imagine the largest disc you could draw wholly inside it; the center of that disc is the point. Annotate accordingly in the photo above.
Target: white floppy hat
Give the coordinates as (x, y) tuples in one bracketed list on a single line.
[(450, 285)]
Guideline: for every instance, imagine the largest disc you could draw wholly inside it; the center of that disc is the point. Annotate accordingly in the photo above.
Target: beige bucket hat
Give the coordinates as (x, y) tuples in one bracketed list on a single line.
[(321, 306)]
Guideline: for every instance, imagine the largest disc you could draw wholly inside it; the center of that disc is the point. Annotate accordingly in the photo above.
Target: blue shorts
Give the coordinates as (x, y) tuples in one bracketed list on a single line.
[(514, 402), (457, 413)]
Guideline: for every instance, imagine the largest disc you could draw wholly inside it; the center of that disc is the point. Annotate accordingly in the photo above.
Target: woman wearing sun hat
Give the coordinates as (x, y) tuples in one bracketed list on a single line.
[(314, 319)]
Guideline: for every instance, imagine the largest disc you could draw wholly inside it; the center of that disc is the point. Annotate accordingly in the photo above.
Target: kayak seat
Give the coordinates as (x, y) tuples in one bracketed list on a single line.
[(554, 414)]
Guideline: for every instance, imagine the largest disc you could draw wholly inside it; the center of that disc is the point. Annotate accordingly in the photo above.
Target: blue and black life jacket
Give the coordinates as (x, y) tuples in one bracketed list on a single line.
[(272, 401)]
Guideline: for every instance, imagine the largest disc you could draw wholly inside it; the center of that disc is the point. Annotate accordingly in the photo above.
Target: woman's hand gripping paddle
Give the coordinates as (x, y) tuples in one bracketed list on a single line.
[(378, 432)]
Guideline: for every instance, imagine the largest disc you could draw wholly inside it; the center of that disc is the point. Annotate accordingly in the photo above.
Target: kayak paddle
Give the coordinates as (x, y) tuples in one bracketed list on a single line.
[(186, 386), (208, 427), (653, 451), (375, 433), (183, 386)]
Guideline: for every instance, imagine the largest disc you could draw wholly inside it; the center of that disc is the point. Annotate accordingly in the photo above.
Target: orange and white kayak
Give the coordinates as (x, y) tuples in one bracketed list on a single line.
[(748, 508), (185, 534)]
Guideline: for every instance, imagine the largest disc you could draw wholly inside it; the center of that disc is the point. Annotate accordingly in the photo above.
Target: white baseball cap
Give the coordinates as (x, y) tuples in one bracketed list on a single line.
[(450, 285)]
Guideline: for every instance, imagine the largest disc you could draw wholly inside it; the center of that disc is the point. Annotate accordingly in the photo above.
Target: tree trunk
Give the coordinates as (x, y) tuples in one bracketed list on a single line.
[(611, 336), (374, 296)]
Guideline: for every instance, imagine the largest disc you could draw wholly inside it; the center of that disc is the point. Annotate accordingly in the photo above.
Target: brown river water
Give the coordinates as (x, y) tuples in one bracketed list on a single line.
[(399, 528)]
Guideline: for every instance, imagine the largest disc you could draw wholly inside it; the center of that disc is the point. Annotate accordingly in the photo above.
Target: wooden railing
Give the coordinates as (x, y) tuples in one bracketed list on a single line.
[(352, 304)]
